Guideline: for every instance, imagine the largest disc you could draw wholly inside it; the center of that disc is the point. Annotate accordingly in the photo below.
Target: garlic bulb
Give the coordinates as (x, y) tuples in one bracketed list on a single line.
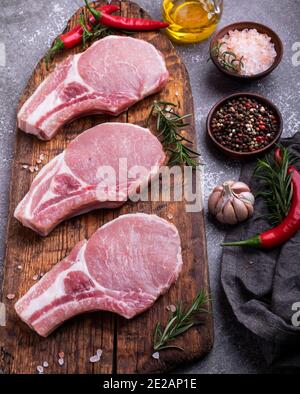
[(231, 202)]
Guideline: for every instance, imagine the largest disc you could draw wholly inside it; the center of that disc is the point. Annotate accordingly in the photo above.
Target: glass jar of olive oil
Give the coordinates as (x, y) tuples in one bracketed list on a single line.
[(191, 20)]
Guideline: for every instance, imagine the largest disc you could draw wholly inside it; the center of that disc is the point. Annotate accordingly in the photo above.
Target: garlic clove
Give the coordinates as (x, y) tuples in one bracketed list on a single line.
[(213, 201), (231, 202), (230, 183), (240, 187), (220, 204), (220, 217), (229, 214), (240, 209), (250, 209), (218, 189), (247, 197)]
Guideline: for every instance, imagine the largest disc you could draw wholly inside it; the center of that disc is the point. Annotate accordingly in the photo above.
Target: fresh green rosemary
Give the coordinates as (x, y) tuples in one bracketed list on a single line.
[(98, 31), (276, 189), (181, 320), (169, 126), (227, 59)]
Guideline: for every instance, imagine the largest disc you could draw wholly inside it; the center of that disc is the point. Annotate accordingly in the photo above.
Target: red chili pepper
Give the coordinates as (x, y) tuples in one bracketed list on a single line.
[(288, 227), (74, 36), (120, 22)]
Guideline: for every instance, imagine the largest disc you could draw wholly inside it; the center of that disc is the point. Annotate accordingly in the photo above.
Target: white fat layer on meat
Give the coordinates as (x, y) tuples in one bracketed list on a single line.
[(29, 209), (62, 168), (59, 168), (52, 100), (25, 206), (57, 289)]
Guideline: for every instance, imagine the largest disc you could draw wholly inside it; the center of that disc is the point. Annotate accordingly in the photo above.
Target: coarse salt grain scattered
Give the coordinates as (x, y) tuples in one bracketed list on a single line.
[(10, 296), (42, 156), (31, 168), (61, 361), (2, 314), (94, 359), (19, 267), (256, 49), (45, 364), (171, 308), (170, 216), (156, 355), (25, 166), (39, 161), (99, 352), (40, 369), (35, 277), (97, 357), (61, 354)]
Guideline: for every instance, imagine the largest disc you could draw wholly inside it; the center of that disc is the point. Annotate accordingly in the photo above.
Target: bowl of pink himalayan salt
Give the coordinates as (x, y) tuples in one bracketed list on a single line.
[(246, 50)]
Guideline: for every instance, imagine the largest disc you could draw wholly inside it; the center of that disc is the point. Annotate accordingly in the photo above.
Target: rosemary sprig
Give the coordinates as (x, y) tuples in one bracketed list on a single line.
[(227, 59), (169, 126), (179, 322), (276, 189), (98, 31), (87, 35)]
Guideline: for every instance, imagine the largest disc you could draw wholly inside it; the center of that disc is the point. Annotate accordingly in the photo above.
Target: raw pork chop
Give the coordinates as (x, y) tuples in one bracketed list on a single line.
[(80, 179), (124, 267), (109, 77)]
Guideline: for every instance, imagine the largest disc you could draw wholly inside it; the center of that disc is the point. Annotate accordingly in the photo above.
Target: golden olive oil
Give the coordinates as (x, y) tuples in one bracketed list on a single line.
[(191, 20)]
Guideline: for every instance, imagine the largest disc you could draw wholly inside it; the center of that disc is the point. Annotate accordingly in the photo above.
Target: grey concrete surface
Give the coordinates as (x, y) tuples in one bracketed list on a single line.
[(27, 27)]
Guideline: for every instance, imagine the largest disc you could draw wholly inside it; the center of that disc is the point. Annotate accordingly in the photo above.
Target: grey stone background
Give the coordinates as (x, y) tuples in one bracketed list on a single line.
[(27, 27)]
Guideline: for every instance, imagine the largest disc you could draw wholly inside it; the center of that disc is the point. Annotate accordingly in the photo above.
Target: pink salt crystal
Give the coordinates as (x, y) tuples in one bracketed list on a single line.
[(94, 359), (40, 369), (255, 49)]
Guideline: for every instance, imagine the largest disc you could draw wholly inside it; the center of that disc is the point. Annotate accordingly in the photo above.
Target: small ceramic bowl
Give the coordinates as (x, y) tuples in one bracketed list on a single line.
[(241, 26), (265, 102)]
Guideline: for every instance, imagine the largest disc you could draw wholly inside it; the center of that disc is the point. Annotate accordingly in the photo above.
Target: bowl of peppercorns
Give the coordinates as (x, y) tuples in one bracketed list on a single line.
[(244, 124)]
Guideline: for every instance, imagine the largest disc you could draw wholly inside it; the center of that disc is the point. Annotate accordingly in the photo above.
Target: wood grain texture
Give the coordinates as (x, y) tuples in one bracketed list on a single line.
[(126, 344)]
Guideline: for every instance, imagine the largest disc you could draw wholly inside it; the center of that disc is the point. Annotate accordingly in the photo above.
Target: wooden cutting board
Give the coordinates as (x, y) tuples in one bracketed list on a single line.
[(126, 344)]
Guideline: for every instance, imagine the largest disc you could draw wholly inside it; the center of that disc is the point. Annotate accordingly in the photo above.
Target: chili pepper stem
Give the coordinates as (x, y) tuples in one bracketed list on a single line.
[(254, 242), (58, 46), (96, 14)]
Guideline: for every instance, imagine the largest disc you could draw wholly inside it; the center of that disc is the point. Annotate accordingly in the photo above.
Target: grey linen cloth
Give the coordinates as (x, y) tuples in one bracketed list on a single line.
[(263, 285)]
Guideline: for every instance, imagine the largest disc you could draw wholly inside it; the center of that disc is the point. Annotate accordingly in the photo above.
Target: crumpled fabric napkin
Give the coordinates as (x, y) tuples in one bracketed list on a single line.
[(263, 286)]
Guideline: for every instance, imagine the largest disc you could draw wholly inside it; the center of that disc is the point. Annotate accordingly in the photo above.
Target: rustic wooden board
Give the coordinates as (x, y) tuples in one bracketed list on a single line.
[(126, 344)]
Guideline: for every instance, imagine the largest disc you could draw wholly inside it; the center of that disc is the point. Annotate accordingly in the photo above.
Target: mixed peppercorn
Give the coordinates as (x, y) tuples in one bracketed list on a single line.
[(244, 125)]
